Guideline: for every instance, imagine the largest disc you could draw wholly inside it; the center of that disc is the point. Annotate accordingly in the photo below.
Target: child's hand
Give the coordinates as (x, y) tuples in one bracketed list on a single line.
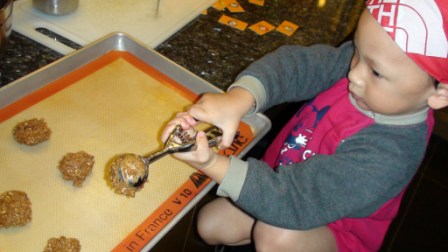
[(203, 156), (223, 110)]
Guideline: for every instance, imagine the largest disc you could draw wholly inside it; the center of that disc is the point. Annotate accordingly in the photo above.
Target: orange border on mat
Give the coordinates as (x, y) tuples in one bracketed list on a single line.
[(84, 71), (147, 230)]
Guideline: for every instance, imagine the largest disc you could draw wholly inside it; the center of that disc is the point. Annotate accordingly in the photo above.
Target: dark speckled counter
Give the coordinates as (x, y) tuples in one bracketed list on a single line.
[(218, 53), (23, 56), (215, 52)]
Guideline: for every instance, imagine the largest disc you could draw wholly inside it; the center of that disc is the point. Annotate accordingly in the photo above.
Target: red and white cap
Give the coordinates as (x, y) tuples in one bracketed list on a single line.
[(420, 28)]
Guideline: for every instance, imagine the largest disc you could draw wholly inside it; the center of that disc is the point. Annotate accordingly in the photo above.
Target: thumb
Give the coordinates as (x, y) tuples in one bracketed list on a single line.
[(201, 141), (227, 139)]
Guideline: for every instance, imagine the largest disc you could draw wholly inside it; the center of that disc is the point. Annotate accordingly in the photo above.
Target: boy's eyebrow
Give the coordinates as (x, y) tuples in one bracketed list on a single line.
[(373, 64)]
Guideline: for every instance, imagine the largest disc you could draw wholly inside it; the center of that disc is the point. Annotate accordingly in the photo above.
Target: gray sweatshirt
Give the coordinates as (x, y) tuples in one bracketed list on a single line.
[(367, 170)]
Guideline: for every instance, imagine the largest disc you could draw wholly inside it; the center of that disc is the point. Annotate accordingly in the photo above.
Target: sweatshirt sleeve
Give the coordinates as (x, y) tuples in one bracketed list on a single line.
[(295, 73), (366, 171)]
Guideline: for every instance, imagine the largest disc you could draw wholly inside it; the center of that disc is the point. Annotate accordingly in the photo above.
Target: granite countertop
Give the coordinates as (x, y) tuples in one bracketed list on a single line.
[(213, 51)]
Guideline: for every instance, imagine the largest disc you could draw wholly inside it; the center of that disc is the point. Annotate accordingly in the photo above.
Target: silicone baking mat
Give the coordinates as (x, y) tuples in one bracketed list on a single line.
[(115, 104)]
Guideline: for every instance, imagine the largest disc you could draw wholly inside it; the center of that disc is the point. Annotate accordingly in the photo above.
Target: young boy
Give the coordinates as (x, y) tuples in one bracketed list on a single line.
[(343, 162)]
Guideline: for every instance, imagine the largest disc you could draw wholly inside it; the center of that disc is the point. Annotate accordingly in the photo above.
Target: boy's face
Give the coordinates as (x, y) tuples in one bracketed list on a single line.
[(383, 79)]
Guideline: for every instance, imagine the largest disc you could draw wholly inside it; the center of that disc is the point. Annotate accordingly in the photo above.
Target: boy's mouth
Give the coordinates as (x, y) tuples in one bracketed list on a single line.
[(357, 98), (359, 101)]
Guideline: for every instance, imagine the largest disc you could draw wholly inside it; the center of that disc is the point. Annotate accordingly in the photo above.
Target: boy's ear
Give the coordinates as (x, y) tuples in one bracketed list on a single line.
[(439, 99)]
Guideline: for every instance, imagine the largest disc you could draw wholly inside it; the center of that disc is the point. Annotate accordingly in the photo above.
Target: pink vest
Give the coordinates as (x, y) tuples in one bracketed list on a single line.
[(317, 129)]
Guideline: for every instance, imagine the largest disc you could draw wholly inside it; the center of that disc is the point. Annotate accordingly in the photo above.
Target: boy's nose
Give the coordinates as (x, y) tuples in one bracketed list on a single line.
[(355, 74), (352, 77)]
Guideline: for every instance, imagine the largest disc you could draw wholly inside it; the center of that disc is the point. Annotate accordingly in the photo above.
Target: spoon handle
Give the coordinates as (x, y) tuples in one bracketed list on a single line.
[(152, 157)]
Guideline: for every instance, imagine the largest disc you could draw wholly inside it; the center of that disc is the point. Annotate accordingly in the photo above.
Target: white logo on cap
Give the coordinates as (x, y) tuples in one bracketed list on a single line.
[(415, 25)]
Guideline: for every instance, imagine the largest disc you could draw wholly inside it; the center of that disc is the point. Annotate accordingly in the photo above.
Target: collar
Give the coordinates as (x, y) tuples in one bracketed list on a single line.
[(414, 118)]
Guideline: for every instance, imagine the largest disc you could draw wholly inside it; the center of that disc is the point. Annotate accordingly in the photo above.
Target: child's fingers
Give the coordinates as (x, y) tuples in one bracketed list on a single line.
[(190, 119), (228, 132), (199, 152), (202, 148), (206, 157), (183, 119), (198, 113), (201, 155), (227, 139), (167, 131)]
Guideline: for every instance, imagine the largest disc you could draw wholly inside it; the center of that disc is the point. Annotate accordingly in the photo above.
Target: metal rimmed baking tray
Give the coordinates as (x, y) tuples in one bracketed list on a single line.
[(111, 97)]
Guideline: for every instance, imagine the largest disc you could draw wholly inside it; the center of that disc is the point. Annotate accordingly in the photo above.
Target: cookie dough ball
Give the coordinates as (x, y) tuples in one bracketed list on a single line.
[(63, 244), (31, 132), (76, 167), (15, 209), (125, 170)]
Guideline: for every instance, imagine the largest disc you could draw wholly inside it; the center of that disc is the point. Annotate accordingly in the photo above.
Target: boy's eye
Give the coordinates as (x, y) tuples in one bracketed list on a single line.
[(376, 74)]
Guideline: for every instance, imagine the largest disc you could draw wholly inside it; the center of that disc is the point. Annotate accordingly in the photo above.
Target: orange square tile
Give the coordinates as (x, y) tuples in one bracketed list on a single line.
[(287, 28), (233, 22), (221, 4), (234, 7), (262, 27)]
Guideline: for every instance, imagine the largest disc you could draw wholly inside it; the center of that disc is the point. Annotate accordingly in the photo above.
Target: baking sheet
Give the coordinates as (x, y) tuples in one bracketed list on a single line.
[(109, 98)]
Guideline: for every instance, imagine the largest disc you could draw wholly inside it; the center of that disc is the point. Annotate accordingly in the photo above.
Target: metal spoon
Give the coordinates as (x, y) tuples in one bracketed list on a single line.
[(131, 170)]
